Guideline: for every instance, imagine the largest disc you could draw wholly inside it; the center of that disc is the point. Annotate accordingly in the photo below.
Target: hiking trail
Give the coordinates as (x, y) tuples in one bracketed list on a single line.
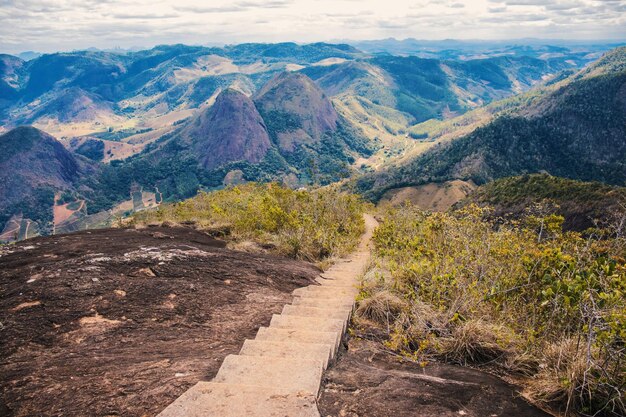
[(279, 372)]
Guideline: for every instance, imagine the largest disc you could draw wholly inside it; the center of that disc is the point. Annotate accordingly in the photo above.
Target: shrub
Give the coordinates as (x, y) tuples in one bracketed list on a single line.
[(515, 295), (383, 307), (311, 225), (477, 341)]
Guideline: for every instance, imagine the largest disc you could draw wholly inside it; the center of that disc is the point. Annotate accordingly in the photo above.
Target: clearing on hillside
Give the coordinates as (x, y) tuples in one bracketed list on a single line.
[(433, 196)]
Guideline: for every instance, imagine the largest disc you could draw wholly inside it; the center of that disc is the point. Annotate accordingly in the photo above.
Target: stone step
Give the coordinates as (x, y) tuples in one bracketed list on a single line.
[(330, 291), (330, 299), (285, 376), (323, 303), (320, 324), (209, 399), (337, 282), (300, 336), (288, 349), (278, 374), (327, 290), (329, 311), (351, 269)]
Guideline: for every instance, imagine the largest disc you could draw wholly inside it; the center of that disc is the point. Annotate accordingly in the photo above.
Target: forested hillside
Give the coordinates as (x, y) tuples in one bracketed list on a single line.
[(575, 130)]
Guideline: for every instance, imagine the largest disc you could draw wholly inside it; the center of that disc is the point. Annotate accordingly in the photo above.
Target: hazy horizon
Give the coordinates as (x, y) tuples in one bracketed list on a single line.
[(64, 25), (516, 41)]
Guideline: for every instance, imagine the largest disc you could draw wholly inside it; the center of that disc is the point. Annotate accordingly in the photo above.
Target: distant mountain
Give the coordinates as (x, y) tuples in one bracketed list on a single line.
[(429, 88), (574, 129), (579, 51), (28, 55), (163, 123), (288, 129), (297, 110), (33, 166), (580, 203), (163, 85), (91, 71), (290, 51), (231, 130), (71, 105), (117, 76), (288, 132), (11, 74), (105, 94)]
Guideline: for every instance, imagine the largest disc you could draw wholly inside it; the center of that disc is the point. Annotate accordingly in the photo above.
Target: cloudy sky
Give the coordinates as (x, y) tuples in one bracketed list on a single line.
[(54, 25)]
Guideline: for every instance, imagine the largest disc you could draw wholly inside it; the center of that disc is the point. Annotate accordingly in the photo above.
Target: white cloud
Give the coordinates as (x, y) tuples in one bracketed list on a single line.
[(52, 25)]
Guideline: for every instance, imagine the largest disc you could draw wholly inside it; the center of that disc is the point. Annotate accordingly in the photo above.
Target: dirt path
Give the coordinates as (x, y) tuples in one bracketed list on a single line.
[(278, 373)]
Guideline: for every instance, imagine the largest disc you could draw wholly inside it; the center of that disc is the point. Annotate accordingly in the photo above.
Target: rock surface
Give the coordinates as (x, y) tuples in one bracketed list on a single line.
[(369, 382), (122, 321)]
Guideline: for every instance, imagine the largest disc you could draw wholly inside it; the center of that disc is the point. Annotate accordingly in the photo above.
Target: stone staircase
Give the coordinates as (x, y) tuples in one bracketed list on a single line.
[(279, 372)]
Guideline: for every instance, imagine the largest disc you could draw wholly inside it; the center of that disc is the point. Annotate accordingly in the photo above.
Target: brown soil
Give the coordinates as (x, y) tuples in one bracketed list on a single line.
[(370, 382), (121, 321), (432, 196), (62, 213)]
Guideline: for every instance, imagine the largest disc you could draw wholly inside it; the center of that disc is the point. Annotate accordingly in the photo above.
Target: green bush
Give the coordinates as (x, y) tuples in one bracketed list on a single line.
[(479, 292), (312, 225)]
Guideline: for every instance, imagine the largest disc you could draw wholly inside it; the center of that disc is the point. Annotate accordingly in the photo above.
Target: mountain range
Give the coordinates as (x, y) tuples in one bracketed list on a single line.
[(574, 128), (110, 133)]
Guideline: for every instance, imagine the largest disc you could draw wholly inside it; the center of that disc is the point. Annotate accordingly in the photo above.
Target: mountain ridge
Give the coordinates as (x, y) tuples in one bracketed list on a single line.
[(33, 167), (191, 119), (575, 130)]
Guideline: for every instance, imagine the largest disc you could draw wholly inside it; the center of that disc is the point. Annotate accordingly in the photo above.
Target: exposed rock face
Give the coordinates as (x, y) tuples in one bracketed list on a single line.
[(231, 130), (295, 110), (30, 158), (367, 381), (88, 291)]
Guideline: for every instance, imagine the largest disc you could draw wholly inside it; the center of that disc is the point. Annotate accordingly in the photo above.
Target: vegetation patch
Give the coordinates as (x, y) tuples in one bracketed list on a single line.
[(92, 149), (121, 134), (311, 225), (582, 204), (524, 298)]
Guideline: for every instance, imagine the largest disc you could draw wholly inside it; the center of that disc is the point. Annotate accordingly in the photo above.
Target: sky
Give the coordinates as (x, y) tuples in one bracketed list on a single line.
[(61, 25)]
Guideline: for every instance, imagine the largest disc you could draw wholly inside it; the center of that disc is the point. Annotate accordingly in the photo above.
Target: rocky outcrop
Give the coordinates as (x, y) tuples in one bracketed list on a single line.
[(231, 130)]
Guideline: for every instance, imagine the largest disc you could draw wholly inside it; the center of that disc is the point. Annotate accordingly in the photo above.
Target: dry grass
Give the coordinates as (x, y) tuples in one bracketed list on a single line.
[(248, 246), (561, 374), (568, 375), (382, 307), (478, 342)]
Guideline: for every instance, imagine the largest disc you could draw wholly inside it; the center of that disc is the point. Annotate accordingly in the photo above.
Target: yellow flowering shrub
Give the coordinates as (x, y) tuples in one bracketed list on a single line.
[(312, 225), (508, 293)]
